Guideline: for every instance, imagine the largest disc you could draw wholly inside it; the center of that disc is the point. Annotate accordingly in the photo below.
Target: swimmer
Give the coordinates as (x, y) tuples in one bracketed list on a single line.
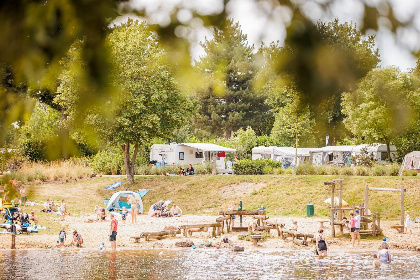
[(376, 262)]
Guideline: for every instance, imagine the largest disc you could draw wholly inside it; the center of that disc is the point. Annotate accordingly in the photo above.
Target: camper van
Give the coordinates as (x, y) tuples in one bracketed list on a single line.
[(194, 153)]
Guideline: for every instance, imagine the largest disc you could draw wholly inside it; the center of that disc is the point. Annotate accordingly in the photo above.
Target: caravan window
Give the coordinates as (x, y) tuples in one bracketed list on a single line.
[(384, 155), (181, 155), (198, 154), (265, 156)]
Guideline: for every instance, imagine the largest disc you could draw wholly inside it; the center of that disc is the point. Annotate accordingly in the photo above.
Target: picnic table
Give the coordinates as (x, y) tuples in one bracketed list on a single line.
[(156, 234), (189, 229)]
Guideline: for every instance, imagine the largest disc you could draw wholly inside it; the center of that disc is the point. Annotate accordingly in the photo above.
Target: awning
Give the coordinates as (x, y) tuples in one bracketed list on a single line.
[(205, 147)]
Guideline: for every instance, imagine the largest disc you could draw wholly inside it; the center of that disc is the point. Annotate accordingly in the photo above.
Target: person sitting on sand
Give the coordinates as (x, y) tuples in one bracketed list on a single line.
[(103, 214), (321, 244), (176, 211), (376, 262), (252, 226), (77, 239), (33, 218), (384, 256), (224, 242), (294, 226), (47, 206)]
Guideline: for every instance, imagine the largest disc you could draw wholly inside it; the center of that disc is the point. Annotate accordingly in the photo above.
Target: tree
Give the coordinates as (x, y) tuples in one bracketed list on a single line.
[(293, 121), (380, 108), (149, 104), (227, 101)]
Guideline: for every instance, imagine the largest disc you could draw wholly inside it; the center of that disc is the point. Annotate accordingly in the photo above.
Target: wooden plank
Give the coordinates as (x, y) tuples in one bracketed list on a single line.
[(242, 212), (200, 225), (386, 189)]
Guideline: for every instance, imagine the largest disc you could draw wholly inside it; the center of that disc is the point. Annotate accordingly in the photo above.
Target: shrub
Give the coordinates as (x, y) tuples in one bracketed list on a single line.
[(321, 170), (268, 170), (362, 171), (333, 170), (305, 169), (108, 161), (346, 171), (393, 169), (254, 167), (379, 170), (279, 171), (409, 172)]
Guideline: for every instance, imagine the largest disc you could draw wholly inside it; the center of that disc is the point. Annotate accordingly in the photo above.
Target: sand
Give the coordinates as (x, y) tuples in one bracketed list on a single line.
[(95, 232)]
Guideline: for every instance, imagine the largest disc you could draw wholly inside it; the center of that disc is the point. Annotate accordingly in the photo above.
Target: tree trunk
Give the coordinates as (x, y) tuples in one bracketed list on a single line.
[(388, 150), (228, 133), (64, 135), (130, 162)]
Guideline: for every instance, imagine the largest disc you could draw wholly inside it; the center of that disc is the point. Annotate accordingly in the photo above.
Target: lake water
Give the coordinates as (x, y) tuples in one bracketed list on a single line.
[(199, 264)]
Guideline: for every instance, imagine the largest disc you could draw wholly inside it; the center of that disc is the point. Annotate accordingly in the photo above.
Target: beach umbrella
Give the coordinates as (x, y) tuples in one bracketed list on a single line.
[(336, 201)]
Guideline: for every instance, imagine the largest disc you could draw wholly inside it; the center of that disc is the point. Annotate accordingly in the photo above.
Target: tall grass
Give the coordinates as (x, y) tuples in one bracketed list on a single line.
[(204, 168), (63, 171), (376, 170)]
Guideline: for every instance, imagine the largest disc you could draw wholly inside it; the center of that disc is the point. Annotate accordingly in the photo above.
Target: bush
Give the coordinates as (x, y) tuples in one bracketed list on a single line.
[(379, 170), (362, 171), (409, 172), (393, 169), (333, 170), (109, 161), (305, 169), (254, 167), (321, 170), (346, 171)]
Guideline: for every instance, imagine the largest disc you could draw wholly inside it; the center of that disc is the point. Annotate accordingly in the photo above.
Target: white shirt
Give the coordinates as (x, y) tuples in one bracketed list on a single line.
[(357, 218)]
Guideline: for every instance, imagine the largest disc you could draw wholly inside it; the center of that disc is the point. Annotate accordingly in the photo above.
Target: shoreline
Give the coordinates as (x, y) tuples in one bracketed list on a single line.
[(95, 232)]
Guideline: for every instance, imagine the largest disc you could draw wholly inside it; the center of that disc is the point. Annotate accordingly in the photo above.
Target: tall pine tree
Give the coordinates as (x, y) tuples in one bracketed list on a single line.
[(227, 101)]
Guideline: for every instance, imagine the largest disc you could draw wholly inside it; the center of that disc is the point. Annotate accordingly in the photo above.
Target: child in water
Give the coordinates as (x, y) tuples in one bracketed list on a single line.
[(376, 262), (124, 213)]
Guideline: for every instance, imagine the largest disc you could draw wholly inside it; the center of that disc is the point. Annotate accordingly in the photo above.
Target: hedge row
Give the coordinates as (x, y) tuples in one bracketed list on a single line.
[(254, 167)]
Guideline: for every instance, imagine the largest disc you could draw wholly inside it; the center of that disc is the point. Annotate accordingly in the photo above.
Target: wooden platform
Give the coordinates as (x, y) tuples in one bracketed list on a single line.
[(189, 229), (155, 234)]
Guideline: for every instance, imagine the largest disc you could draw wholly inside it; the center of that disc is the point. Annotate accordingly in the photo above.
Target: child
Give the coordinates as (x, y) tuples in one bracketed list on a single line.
[(124, 213), (103, 214), (77, 239), (97, 211), (407, 223), (295, 226), (62, 236), (376, 262)]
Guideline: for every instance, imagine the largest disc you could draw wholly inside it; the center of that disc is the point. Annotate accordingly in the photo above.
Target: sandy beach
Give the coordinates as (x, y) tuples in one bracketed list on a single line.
[(95, 232)]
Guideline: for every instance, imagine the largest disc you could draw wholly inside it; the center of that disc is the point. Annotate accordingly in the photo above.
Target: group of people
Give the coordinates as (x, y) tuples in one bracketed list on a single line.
[(182, 172), (77, 238), (383, 256), (162, 209), (49, 208)]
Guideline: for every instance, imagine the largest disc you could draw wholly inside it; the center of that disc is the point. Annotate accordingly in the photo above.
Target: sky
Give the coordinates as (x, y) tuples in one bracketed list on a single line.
[(395, 49)]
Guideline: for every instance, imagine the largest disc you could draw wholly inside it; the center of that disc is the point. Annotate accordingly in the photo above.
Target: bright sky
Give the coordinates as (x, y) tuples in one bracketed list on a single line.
[(261, 23)]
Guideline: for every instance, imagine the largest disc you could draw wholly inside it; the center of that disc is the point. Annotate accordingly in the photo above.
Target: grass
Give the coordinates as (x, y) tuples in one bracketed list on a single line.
[(202, 194)]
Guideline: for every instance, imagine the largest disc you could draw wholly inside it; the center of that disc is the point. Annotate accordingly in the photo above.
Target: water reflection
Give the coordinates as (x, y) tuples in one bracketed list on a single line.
[(199, 264)]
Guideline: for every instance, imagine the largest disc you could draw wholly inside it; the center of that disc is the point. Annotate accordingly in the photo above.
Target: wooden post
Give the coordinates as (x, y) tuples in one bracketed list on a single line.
[(366, 197), (13, 241), (213, 163), (379, 221), (373, 225), (332, 210), (402, 205), (340, 204)]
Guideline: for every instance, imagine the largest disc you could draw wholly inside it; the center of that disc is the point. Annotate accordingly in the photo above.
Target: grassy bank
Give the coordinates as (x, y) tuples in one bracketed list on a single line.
[(206, 194)]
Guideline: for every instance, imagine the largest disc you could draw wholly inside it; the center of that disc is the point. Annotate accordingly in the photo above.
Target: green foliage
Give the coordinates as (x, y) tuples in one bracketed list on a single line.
[(410, 172), (254, 167), (108, 161), (243, 141), (363, 159), (227, 101), (305, 169), (380, 109)]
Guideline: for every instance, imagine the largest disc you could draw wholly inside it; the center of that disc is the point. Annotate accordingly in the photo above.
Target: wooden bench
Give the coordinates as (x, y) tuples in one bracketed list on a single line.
[(156, 234), (223, 220), (189, 229), (399, 228)]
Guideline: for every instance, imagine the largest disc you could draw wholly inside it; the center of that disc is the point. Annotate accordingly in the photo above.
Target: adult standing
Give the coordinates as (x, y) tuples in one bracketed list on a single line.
[(133, 210), (321, 244), (357, 227), (113, 233), (23, 195)]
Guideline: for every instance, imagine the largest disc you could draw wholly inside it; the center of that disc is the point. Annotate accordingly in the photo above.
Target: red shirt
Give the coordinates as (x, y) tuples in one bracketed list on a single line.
[(115, 223)]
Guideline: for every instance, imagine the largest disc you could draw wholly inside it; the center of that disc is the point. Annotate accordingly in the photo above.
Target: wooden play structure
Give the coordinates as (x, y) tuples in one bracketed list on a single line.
[(370, 224), (303, 239), (228, 214)]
